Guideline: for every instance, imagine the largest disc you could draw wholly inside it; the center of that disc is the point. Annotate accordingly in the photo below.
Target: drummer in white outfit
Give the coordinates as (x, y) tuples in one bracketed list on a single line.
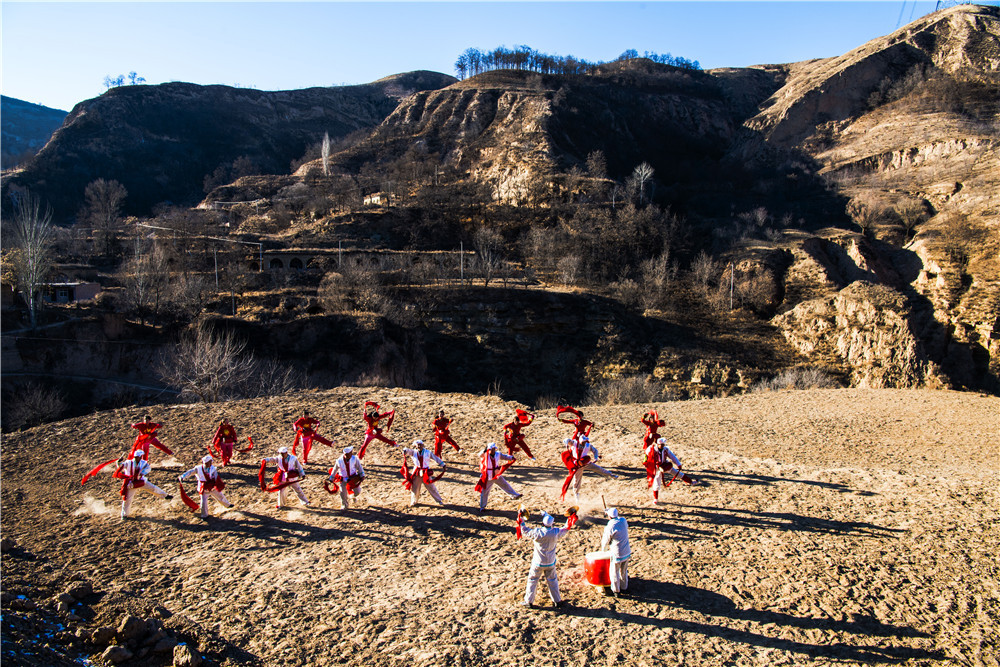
[(543, 561), (615, 540)]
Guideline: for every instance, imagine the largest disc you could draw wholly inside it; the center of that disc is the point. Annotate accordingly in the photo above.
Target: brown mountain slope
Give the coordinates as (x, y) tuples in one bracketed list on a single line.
[(24, 129), (162, 141), (835, 527), (906, 127), (963, 41), (899, 136)]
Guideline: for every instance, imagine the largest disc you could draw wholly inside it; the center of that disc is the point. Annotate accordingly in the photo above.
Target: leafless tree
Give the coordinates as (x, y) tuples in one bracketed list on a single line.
[(489, 249), (658, 275), (31, 404), (326, 153), (209, 365), (103, 208), (569, 269), (910, 215), (864, 214), (145, 277), (703, 269), (597, 165), (271, 378), (641, 175), (31, 241)]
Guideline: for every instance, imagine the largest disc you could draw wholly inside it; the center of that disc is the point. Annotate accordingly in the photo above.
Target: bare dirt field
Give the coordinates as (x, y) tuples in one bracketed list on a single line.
[(834, 527)]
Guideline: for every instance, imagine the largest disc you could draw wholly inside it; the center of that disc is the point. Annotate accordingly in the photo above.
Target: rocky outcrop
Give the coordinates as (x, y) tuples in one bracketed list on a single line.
[(516, 131), (867, 327)]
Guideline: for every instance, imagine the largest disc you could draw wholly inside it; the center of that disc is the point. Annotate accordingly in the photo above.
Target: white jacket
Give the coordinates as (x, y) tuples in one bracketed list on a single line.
[(129, 469), (291, 464), (201, 473), (350, 467), (616, 537), (422, 458), (545, 544)]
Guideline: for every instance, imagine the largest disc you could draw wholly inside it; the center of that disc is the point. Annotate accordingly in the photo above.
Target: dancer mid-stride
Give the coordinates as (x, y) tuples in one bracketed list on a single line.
[(570, 415), (305, 432), (420, 475), (373, 431), (513, 439), (652, 422), (442, 434), (133, 471), (492, 465), (661, 463), (147, 429), (578, 456), (290, 473)]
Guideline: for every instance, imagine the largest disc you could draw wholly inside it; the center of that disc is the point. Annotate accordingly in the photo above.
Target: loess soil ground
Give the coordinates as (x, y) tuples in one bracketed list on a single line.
[(834, 527)]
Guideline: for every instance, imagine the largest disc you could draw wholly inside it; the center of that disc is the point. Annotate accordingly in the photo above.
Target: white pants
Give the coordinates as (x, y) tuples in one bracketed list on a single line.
[(578, 477), (534, 574), (618, 573), (219, 496), (130, 492), (418, 484), (503, 484), (344, 496), (298, 490), (658, 483)]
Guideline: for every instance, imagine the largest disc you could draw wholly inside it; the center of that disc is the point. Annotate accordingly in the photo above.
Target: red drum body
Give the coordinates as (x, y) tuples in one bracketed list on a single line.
[(596, 566)]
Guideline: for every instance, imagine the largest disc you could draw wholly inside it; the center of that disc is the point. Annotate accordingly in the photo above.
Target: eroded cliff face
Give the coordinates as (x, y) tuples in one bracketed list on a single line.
[(929, 144), (894, 317), (963, 41), (868, 328)]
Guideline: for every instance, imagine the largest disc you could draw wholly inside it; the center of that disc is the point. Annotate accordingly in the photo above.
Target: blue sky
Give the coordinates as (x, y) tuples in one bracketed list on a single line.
[(57, 54)]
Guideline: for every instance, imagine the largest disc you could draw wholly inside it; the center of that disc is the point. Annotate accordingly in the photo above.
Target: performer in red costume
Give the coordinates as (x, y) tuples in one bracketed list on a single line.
[(305, 432), (133, 471), (374, 431), (147, 436), (209, 485), (345, 477), (661, 462), (442, 434), (290, 473), (491, 470), (513, 439), (576, 419), (579, 456), (224, 441), (652, 422), (420, 475)]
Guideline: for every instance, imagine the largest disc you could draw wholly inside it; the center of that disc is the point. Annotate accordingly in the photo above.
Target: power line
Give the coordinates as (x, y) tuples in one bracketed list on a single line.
[(76, 340)]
